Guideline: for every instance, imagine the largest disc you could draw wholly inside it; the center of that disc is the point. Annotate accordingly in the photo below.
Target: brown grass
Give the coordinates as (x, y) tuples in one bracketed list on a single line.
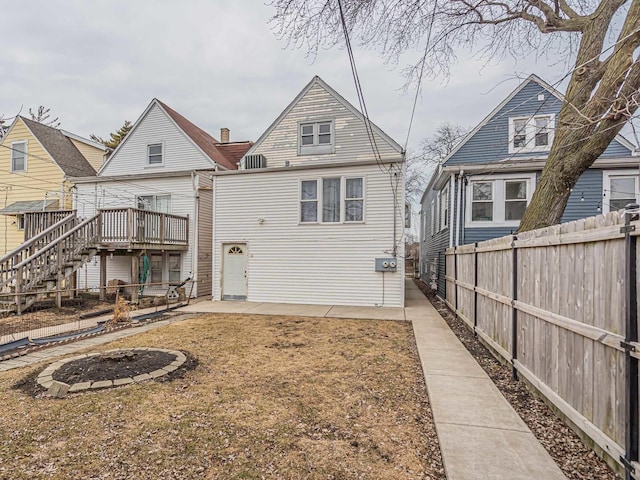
[(272, 397)]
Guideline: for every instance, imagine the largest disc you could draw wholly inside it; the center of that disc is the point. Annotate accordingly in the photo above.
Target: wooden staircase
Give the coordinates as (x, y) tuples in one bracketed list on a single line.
[(42, 266)]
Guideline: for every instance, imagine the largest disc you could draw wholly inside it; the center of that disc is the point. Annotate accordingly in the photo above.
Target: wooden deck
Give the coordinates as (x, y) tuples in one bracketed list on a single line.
[(128, 229)]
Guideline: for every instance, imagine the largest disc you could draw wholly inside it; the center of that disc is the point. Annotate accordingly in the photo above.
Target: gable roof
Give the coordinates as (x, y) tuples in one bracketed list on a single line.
[(494, 112), (86, 141), (316, 80), (204, 142), (61, 149)]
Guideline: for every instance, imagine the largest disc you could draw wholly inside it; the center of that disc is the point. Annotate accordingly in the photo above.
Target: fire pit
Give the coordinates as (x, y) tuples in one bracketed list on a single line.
[(112, 368)]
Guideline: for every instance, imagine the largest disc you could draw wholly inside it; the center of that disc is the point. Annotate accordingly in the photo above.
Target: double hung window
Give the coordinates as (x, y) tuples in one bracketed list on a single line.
[(315, 138), (498, 201), (531, 134), (19, 156), (332, 200)]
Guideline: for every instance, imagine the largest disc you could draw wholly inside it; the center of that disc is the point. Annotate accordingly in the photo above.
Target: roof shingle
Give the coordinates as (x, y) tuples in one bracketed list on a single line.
[(61, 149)]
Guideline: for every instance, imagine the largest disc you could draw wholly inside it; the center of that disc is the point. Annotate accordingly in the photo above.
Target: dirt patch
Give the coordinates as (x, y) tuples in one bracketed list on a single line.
[(46, 315), (576, 460), (112, 366), (272, 397)]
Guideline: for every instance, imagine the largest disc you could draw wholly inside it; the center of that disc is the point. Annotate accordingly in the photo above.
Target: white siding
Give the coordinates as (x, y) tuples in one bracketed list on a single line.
[(115, 194), (351, 139), (156, 127), (319, 264)]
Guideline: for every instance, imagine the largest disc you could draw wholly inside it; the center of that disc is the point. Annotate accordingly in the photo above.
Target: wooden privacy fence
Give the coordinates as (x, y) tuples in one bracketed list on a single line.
[(552, 302)]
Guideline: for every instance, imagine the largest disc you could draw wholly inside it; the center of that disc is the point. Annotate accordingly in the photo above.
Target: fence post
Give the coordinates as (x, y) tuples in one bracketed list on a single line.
[(631, 335), (455, 280), (475, 288), (514, 311)]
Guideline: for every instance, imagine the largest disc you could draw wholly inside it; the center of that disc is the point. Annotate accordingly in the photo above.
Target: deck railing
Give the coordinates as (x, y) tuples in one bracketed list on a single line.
[(134, 226)]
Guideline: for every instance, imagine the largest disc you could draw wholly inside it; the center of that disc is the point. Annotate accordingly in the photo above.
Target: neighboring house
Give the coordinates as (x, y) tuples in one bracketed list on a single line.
[(155, 196), (36, 164), (482, 188), (311, 209)]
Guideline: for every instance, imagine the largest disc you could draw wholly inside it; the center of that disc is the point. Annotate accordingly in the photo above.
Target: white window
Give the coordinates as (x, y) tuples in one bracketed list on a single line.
[(154, 154), (433, 217), (620, 188), (332, 200), (174, 268), (19, 156), (531, 134), (354, 200), (155, 203), (20, 221), (444, 208), (498, 200), (309, 201), (315, 138), (155, 266)]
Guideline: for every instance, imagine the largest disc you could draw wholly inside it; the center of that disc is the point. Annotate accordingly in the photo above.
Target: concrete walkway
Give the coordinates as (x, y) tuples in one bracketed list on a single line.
[(481, 436)]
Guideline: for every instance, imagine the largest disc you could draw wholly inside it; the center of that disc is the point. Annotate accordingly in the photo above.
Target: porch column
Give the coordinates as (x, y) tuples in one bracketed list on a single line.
[(135, 261), (103, 277)]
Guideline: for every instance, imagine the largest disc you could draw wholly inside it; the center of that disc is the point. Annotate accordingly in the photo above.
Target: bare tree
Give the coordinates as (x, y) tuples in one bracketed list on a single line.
[(43, 116), (599, 39), (3, 127), (433, 150)]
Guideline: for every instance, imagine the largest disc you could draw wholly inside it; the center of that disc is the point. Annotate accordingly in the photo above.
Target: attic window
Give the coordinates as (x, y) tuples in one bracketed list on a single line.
[(154, 154), (19, 156), (531, 134), (315, 138)]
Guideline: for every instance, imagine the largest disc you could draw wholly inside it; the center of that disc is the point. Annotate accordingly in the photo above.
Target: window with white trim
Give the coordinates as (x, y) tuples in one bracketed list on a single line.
[(315, 138), (19, 156), (174, 268), (20, 221), (332, 200), (444, 207), (620, 188), (498, 200), (531, 134), (155, 154), (433, 216), (354, 200)]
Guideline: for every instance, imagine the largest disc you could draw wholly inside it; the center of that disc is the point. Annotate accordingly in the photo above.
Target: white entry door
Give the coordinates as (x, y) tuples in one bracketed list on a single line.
[(234, 272)]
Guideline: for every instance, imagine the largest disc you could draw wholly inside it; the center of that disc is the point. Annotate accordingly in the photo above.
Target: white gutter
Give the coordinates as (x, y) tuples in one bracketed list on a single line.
[(459, 206), (214, 274), (451, 205)]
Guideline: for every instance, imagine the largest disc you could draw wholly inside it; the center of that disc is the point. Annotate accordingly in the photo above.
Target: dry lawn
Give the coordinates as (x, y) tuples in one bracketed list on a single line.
[(271, 397)]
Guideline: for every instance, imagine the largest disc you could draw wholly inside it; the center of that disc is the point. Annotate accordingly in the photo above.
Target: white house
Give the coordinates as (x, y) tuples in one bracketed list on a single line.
[(315, 212), (155, 196)]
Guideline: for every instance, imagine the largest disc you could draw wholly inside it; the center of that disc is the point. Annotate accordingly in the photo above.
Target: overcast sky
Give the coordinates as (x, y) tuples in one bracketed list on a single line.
[(217, 62)]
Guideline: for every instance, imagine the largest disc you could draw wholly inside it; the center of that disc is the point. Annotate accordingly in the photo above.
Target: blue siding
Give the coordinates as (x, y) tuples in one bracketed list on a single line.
[(589, 186), (473, 235), (491, 142), (616, 149), (433, 246)]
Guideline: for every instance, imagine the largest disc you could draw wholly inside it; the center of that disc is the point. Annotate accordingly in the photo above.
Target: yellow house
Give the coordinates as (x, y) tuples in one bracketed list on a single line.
[(36, 162)]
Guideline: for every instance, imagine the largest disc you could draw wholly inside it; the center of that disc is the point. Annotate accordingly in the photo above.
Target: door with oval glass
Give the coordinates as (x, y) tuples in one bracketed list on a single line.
[(234, 271)]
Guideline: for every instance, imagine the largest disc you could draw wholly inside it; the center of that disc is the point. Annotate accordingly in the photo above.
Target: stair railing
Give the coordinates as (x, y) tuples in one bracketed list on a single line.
[(30, 247), (52, 259)]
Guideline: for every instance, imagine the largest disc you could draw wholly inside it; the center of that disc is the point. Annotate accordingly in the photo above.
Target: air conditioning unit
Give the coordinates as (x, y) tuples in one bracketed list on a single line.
[(254, 161)]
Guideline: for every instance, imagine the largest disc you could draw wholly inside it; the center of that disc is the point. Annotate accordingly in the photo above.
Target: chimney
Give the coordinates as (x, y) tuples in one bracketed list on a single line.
[(224, 135)]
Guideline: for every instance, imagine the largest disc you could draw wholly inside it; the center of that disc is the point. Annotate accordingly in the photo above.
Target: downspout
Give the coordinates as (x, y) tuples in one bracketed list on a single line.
[(214, 284), (195, 184), (459, 206), (452, 184)]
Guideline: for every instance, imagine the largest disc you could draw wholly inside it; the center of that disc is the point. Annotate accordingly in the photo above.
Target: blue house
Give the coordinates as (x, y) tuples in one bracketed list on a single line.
[(482, 188)]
